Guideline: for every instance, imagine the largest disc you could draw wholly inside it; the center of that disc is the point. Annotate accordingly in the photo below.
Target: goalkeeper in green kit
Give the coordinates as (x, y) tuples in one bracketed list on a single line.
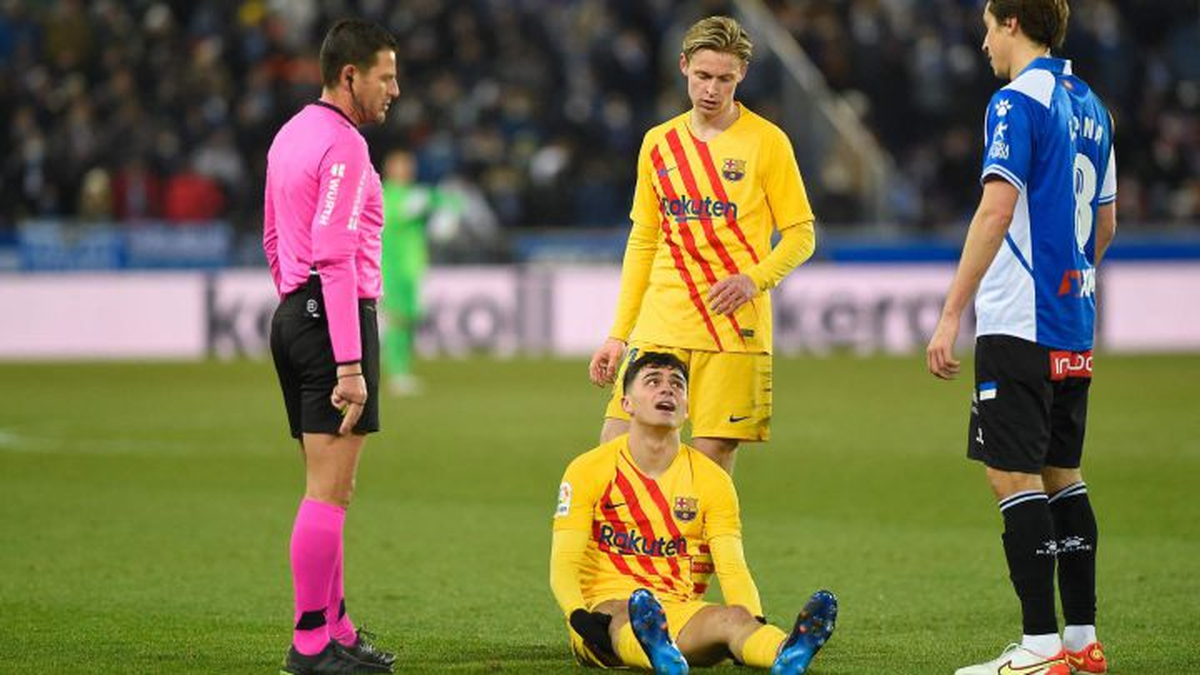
[(408, 208)]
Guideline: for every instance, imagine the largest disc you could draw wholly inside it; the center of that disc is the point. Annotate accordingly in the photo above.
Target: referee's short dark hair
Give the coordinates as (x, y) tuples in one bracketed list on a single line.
[(1043, 21), (352, 42), (660, 359)]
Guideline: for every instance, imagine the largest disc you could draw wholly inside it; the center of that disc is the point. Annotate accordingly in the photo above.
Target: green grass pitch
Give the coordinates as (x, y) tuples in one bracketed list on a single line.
[(145, 512)]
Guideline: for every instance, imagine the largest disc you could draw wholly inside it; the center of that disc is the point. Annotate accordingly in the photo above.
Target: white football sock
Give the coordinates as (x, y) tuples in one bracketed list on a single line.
[(1043, 645), (1076, 638)]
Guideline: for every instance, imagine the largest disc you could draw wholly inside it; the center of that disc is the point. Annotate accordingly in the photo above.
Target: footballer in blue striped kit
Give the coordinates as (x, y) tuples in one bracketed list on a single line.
[(1045, 218)]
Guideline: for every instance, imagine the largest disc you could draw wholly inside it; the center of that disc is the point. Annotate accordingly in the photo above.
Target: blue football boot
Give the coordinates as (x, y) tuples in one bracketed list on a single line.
[(813, 627), (649, 624)]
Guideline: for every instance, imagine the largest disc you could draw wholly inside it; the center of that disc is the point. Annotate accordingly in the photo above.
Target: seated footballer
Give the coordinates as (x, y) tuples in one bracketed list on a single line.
[(642, 523)]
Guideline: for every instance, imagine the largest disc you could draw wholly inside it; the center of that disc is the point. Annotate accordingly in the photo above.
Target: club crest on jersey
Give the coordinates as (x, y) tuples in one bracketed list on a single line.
[(733, 169), (686, 508)]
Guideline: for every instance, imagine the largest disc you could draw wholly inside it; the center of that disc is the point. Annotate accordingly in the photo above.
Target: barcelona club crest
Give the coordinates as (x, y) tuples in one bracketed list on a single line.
[(686, 508), (734, 169)]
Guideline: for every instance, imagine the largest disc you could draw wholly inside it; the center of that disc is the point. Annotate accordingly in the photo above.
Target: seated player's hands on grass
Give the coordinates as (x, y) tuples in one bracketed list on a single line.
[(940, 353), (732, 292), (605, 361), (349, 395)]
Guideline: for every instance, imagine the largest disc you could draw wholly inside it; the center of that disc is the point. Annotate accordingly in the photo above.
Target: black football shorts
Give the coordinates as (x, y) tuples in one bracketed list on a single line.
[(305, 364), (1029, 408)]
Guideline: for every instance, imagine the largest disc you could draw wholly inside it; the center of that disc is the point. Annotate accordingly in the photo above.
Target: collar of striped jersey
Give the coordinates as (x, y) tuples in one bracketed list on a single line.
[(1050, 63)]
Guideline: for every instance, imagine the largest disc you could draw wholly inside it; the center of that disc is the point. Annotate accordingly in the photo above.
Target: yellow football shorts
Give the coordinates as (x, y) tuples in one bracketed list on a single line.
[(729, 393), (678, 615)]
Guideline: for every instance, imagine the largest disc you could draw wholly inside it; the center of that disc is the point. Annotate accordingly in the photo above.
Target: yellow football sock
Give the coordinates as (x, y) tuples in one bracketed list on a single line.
[(759, 650), (630, 650)]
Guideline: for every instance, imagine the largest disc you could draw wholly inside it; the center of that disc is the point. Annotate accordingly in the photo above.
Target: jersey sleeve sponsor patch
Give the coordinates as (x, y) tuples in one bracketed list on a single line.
[(564, 500), (1007, 140)]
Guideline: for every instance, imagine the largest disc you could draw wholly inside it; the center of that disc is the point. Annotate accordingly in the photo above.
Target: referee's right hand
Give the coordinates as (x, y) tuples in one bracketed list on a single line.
[(349, 395)]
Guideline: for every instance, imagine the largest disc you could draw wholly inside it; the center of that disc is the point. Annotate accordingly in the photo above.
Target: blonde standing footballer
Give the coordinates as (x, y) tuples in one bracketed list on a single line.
[(713, 184)]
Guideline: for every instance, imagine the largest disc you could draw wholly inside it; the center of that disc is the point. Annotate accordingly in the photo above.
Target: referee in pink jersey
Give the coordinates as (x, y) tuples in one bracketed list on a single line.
[(323, 216)]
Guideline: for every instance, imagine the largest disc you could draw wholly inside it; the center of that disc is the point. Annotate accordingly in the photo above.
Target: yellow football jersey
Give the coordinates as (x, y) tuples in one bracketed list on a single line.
[(645, 532), (714, 205)]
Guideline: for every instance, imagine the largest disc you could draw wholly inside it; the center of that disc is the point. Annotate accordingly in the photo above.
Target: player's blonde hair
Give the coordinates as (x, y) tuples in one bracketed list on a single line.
[(721, 34)]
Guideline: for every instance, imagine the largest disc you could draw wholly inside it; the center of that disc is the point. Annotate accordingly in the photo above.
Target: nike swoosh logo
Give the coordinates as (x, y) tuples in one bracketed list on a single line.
[(1073, 660), (609, 506), (735, 418), (1008, 669)]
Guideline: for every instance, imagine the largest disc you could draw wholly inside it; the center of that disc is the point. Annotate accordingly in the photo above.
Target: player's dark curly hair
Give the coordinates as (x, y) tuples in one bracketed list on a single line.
[(1044, 21), (660, 359), (352, 42)]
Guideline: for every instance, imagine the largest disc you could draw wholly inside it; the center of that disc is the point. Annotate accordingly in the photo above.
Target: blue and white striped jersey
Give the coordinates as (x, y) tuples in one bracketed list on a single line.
[(1051, 137)]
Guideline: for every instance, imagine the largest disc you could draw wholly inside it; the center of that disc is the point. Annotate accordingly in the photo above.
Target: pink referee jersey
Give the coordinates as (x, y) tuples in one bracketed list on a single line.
[(324, 211)]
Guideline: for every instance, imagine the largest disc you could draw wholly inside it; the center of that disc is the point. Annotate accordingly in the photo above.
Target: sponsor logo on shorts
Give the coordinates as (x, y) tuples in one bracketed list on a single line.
[(686, 508), (633, 543), (1065, 364), (987, 391), (738, 418)]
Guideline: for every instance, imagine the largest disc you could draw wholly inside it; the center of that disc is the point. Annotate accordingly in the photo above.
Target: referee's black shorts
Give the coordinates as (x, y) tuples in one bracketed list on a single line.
[(306, 367), (1029, 410)]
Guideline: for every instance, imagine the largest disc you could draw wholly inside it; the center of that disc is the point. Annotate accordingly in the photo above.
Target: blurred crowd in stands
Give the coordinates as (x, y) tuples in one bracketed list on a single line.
[(534, 109)]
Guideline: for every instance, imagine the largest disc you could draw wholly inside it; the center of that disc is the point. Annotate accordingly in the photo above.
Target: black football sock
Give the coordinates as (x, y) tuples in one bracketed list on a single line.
[(1075, 530), (1029, 547)]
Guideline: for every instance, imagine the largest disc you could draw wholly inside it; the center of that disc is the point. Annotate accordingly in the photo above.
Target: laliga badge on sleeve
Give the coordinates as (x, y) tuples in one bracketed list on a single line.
[(564, 500)]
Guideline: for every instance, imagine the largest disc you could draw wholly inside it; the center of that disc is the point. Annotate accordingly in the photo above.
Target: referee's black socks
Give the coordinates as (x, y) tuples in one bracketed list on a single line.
[(1075, 530), (1030, 546)]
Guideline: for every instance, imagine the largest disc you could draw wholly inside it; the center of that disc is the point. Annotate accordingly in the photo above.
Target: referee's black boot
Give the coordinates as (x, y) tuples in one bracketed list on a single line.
[(333, 660), (365, 651)]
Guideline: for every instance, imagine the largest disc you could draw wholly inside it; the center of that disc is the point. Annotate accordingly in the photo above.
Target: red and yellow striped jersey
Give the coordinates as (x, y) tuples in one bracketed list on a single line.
[(646, 532), (713, 206)]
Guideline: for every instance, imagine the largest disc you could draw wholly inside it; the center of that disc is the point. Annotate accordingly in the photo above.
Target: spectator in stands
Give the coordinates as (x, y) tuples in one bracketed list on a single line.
[(541, 97)]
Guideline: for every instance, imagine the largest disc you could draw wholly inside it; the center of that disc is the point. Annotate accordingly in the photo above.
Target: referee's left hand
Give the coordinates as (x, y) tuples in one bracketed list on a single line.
[(728, 294), (349, 395)]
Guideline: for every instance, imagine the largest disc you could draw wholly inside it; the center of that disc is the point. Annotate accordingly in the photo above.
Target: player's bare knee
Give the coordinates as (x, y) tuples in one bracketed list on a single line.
[(347, 492), (723, 451), (736, 617), (1007, 483), (1056, 478)]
